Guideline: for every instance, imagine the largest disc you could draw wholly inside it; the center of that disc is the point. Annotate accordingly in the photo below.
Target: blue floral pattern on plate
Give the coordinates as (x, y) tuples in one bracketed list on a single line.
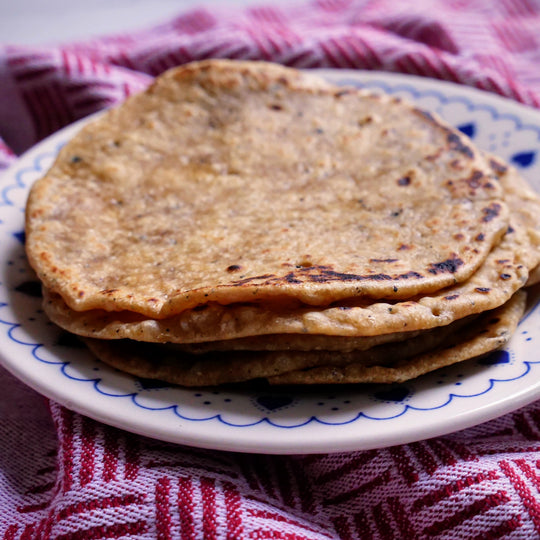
[(281, 421)]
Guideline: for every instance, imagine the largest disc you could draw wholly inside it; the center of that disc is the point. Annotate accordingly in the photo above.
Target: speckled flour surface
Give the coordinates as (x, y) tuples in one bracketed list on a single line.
[(246, 182)]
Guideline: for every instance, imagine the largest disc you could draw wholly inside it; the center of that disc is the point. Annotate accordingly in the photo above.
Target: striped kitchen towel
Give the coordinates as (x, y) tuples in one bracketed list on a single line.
[(65, 476)]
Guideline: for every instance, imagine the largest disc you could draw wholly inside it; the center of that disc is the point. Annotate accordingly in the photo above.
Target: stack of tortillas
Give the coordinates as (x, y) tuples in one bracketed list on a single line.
[(242, 220)]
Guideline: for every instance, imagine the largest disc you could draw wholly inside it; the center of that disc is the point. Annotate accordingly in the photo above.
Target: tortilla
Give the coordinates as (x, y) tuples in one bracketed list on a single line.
[(296, 342), (524, 204), (534, 277), (191, 194), (504, 272), (385, 363), (491, 332)]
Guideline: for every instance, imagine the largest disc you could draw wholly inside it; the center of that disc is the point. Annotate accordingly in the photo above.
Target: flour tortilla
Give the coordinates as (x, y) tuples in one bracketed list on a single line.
[(229, 182), (524, 204), (296, 342), (491, 332), (167, 363), (534, 277), (505, 271), (385, 363)]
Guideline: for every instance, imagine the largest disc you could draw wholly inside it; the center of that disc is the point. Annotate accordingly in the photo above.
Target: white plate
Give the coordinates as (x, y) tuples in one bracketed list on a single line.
[(277, 421)]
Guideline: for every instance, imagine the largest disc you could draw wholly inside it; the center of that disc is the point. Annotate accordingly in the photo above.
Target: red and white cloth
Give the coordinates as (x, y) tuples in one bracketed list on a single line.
[(64, 476)]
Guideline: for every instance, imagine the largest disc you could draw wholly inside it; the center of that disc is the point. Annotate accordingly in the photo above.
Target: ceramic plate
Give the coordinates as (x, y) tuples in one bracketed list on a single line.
[(277, 421)]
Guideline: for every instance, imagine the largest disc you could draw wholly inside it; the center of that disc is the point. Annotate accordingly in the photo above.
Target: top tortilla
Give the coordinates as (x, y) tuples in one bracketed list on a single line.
[(230, 182)]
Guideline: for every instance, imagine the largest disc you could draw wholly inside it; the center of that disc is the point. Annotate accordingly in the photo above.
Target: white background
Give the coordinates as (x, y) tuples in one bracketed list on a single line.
[(52, 21)]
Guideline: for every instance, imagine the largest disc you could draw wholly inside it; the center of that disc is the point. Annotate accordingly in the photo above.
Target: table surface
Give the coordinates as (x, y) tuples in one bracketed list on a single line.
[(35, 22)]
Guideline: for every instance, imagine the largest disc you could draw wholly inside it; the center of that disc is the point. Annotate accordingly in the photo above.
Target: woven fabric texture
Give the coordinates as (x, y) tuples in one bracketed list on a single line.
[(64, 476)]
